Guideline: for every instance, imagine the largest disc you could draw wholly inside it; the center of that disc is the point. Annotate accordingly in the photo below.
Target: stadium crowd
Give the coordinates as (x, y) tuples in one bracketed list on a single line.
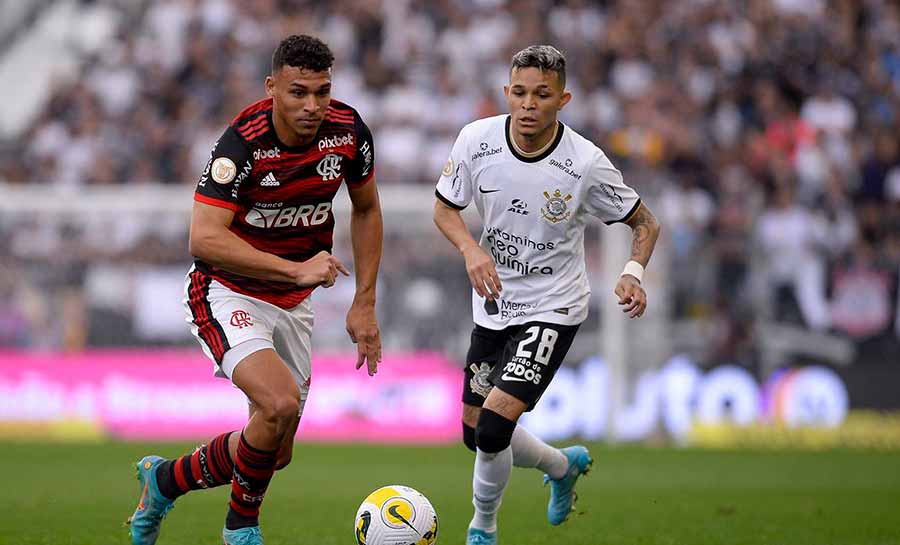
[(763, 132)]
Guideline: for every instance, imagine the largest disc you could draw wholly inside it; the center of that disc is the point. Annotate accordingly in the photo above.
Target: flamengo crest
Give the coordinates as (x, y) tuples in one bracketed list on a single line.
[(241, 319), (329, 167)]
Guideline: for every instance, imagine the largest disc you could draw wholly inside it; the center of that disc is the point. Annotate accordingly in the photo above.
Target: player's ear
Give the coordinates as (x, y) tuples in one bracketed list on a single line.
[(566, 97), (506, 91), (270, 86)]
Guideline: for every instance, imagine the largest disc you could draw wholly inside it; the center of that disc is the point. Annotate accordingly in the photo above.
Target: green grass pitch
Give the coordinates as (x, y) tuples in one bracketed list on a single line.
[(69, 494)]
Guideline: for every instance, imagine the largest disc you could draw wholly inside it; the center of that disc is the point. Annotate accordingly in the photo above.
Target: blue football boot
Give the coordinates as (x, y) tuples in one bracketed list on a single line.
[(562, 490), (479, 537), (242, 536), (152, 507)]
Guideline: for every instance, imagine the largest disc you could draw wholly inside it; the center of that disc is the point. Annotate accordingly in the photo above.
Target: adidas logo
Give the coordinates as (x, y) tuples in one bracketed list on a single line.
[(269, 181)]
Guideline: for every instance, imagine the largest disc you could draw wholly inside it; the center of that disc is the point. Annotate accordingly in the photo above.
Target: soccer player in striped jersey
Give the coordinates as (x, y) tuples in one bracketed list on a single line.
[(261, 234), (534, 181)]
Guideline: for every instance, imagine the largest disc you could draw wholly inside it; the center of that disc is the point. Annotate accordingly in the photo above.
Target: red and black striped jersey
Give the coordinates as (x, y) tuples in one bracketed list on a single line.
[(281, 195)]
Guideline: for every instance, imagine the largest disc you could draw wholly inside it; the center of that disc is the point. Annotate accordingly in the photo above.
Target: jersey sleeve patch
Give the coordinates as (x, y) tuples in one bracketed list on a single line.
[(229, 165), (454, 186), (223, 170)]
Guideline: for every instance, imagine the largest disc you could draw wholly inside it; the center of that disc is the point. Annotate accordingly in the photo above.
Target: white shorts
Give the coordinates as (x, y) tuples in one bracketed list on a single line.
[(230, 326)]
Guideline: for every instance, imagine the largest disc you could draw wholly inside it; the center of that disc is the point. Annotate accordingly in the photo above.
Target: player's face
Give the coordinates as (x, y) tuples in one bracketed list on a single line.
[(535, 97), (301, 98)]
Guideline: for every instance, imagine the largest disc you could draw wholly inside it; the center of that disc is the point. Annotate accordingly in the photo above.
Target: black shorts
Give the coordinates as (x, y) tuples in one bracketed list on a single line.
[(520, 360)]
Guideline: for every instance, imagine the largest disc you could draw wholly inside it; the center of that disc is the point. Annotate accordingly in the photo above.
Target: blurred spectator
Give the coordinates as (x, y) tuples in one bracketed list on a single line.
[(706, 107), (790, 238)]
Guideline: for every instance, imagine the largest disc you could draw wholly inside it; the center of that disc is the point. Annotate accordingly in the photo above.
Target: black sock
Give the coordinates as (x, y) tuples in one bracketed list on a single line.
[(208, 466)]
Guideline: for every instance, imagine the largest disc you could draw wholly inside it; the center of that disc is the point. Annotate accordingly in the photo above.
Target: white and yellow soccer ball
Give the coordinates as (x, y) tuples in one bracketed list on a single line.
[(396, 515)]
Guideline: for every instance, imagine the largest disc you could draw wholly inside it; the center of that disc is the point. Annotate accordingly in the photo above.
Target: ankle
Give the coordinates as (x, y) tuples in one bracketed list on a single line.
[(236, 521), (485, 524)]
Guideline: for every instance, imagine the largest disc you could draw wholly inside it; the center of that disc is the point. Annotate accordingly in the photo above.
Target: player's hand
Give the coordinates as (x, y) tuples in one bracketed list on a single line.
[(362, 326), (631, 295), (321, 270), (482, 272)]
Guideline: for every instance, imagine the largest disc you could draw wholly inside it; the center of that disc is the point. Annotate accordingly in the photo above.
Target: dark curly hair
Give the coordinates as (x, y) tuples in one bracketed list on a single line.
[(302, 51)]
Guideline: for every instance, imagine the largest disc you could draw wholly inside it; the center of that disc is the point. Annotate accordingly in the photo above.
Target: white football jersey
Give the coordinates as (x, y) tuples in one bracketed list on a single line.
[(534, 209)]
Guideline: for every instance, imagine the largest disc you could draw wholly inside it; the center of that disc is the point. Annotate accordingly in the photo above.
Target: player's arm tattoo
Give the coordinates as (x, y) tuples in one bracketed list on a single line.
[(644, 232)]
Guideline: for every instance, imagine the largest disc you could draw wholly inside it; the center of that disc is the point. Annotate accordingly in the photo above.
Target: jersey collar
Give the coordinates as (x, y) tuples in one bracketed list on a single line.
[(538, 155)]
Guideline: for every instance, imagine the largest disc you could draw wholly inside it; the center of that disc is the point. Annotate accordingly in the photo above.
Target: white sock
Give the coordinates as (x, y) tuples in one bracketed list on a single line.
[(490, 477), (529, 451)]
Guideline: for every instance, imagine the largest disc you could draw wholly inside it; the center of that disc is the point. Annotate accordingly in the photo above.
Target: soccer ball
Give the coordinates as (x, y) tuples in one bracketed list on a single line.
[(396, 515)]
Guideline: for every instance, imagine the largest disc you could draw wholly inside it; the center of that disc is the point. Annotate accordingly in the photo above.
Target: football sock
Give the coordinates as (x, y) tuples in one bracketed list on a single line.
[(208, 466), (490, 477), (529, 451), (253, 469)]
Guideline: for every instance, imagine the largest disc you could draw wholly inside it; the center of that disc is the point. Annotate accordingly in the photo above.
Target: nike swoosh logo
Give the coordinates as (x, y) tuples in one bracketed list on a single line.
[(512, 379), (392, 510), (483, 190)]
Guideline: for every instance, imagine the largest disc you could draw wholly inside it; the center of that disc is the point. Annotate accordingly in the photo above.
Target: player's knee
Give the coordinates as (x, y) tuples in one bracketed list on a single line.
[(469, 437), (280, 410), (494, 432), (287, 408)]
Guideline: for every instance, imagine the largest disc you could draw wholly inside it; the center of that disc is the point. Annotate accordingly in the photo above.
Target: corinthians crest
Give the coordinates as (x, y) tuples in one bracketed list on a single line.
[(557, 207), (479, 383)]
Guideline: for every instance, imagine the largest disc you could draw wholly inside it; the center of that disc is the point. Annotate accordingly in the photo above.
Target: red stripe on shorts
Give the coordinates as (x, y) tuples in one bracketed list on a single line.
[(208, 328)]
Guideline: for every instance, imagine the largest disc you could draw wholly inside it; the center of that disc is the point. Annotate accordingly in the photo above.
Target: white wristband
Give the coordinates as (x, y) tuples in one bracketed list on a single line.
[(635, 269)]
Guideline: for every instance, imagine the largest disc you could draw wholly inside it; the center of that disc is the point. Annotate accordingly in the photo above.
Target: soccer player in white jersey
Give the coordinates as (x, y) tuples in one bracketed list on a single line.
[(534, 182)]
